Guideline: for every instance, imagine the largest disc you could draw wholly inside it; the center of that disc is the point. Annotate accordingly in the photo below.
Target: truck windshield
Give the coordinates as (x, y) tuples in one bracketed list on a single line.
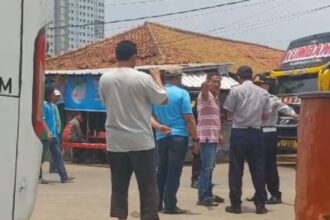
[(297, 84)]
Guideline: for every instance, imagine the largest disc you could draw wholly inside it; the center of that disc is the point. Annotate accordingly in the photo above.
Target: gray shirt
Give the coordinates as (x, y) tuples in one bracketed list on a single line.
[(76, 134), (247, 102), (277, 106), (127, 95)]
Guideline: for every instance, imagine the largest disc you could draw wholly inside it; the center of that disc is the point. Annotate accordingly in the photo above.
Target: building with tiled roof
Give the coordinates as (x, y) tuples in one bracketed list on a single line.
[(159, 44)]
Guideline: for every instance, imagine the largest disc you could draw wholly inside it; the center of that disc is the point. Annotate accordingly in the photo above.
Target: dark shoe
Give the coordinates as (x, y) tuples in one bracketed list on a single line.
[(274, 200), (251, 199), (68, 180), (218, 199), (233, 210), (209, 202), (194, 185), (43, 181), (261, 210), (176, 211)]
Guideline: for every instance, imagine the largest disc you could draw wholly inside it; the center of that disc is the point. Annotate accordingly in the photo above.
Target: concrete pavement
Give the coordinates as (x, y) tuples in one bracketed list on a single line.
[(88, 197)]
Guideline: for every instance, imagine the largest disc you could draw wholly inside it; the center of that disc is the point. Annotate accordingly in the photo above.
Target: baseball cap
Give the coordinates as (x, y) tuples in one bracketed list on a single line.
[(173, 72), (261, 79), (57, 93)]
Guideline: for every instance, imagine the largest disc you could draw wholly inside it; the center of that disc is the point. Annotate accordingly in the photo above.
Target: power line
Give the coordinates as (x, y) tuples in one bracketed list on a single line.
[(133, 3), (156, 16), (249, 17), (194, 16), (253, 26), (258, 22), (307, 12)]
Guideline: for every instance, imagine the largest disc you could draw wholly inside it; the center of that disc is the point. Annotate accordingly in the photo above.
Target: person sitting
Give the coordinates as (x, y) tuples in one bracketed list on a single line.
[(72, 133)]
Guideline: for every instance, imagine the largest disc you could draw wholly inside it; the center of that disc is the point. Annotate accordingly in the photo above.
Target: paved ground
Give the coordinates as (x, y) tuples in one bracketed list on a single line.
[(88, 197)]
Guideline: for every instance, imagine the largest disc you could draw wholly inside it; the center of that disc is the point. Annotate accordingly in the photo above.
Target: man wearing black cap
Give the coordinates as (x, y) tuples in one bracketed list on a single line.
[(269, 140), (249, 106)]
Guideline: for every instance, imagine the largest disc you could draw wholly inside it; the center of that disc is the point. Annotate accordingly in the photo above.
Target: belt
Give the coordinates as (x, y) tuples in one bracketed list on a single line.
[(269, 129), (246, 128)]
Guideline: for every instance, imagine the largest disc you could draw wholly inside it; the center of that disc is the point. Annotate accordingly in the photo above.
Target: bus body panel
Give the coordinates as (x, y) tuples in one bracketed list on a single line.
[(8, 137), (21, 149)]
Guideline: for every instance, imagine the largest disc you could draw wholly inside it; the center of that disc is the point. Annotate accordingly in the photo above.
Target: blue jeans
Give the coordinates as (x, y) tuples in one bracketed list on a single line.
[(208, 160), (171, 154), (53, 146)]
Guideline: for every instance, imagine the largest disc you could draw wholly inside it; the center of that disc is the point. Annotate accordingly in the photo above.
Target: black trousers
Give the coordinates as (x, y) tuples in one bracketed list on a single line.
[(272, 177), (246, 144), (143, 164), (195, 167)]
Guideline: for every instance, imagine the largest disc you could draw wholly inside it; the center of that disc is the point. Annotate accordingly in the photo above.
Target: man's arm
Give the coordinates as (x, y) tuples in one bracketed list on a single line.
[(158, 126), (101, 92), (205, 90), (230, 104), (286, 110), (192, 129), (267, 108), (265, 116), (45, 128), (156, 76)]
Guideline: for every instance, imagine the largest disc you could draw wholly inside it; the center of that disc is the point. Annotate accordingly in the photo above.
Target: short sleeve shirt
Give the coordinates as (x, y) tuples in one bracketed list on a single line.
[(172, 114), (209, 121), (127, 95), (49, 117), (247, 102)]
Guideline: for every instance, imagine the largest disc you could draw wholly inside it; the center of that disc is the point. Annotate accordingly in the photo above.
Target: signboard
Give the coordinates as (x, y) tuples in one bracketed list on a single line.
[(307, 52), (310, 52), (82, 93)]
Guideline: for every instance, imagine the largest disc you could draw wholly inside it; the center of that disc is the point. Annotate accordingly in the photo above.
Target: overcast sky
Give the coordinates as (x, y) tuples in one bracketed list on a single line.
[(269, 22)]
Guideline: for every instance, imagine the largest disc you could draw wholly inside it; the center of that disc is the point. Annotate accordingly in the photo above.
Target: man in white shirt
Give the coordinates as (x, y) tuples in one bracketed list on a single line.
[(127, 95)]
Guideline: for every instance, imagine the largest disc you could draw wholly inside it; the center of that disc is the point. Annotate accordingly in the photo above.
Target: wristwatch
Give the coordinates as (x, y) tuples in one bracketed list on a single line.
[(196, 140)]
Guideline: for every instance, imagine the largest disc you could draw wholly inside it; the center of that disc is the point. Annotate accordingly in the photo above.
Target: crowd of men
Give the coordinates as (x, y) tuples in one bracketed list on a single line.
[(136, 102)]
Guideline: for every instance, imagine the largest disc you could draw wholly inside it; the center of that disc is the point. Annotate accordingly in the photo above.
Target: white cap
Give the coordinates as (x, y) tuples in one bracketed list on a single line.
[(57, 93)]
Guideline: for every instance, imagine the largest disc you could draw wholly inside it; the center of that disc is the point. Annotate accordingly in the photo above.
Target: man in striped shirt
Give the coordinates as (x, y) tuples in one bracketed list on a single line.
[(209, 133)]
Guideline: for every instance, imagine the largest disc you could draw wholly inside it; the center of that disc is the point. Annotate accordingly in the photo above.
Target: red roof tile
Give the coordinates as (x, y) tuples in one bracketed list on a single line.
[(158, 44)]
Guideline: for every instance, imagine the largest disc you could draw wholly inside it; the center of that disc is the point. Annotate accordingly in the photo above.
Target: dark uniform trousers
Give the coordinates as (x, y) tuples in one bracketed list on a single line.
[(246, 144), (195, 167), (271, 172)]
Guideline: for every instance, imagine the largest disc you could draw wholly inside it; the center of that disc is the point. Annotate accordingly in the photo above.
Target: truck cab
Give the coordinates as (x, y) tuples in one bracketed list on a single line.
[(304, 68)]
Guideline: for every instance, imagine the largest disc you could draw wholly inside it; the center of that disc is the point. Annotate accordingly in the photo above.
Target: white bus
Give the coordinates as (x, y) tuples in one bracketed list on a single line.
[(22, 60)]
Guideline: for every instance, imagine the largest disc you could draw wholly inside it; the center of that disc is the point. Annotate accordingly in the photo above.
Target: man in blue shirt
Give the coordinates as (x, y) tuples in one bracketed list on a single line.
[(172, 146), (50, 138)]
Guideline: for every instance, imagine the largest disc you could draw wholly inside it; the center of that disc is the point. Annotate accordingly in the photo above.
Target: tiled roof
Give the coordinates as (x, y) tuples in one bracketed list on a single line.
[(158, 44)]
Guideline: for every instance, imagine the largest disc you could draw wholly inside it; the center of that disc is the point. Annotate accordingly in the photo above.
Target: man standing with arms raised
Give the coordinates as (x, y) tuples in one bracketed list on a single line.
[(210, 136), (127, 95)]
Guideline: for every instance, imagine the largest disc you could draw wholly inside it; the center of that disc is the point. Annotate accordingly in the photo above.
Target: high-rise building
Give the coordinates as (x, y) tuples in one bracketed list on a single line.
[(75, 23)]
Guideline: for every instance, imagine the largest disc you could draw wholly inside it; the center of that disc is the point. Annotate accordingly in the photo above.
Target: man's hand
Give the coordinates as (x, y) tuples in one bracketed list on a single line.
[(196, 148), (295, 116), (221, 139), (49, 136), (165, 130)]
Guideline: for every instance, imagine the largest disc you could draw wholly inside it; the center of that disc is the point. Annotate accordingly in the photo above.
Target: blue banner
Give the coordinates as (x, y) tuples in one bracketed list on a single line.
[(82, 93)]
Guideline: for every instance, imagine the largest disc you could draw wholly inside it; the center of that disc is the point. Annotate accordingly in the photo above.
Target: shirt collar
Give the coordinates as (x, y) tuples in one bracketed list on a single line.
[(247, 82)]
